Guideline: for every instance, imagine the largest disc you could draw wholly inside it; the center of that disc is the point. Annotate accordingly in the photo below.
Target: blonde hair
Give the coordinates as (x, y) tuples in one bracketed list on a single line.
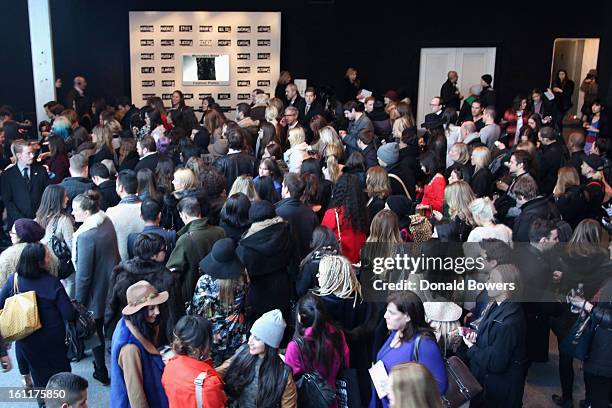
[(279, 105), (187, 178), (567, 176), (296, 136), (458, 197), (464, 152), (244, 184), (271, 114), (333, 154), (413, 385), (337, 277), (377, 183), (328, 136), (482, 210), (482, 157), (103, 136)]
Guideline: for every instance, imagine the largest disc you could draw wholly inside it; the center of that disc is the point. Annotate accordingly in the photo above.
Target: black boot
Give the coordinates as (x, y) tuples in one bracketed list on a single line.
[(101, 374)]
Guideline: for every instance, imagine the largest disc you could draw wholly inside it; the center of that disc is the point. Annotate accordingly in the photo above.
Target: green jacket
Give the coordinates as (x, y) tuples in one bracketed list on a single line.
[(194, 243)]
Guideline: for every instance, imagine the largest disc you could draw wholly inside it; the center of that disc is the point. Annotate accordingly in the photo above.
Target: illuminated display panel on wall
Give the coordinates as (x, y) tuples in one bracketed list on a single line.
[(206, 69)]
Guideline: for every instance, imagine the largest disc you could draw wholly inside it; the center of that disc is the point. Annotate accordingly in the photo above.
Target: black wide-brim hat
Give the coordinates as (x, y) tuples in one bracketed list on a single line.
[(222, 262)]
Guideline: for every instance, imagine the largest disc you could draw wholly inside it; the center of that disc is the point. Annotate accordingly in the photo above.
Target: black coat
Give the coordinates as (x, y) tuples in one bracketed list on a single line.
[(487, 97), (302, 222), (75, 186), (571, 205), (599, 361), (466, 170), (369, 153), (267, 257), (540, 207), (450, 95), (149, 162), (134, 270), (235, 233), (550, 159), (482, 182), (234, 165), (103, 154), (130, 162), (21, 199), (126, 120), (315, 109), (170, 218), (109, 194), (381, 123), (402, 170), (498, 357), (576, 159), (307, 276)]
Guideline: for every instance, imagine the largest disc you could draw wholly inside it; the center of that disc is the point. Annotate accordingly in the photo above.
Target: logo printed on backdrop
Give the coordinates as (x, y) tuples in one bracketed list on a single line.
[(224, 29), (264, 43), (263, 70), (147, 70), (146, 96), (263, 55), (244, 43), (146, 28), (264, 29), (167, 43), (147, 43), (186, 43), (244, 29), (244, 56), (244, 83), (167, 55), (167, 70), (166, 29), (148, 83), (223, 96), (206, 43), (243, 70), (263, 83), (168, 82), (166, 96), (206, 29), (185, 28), (146, 56), (224, 43), (188, 96), (203, 95), (244, 96)]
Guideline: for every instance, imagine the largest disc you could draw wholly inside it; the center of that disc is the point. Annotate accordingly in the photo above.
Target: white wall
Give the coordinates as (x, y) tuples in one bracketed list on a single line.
[(200, 33)]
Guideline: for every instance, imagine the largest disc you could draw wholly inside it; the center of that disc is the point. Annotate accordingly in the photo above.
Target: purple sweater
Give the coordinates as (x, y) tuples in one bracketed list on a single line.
[(429, 356)]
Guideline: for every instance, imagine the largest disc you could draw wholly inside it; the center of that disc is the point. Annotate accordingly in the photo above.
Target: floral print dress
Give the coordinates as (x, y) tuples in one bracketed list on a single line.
[(228, 324)]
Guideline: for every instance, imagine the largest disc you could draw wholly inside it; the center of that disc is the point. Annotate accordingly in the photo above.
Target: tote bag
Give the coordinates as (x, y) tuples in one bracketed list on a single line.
[(19, 318)]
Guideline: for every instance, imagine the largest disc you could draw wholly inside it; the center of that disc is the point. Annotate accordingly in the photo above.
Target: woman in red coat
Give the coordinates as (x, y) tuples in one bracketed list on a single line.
[(515, 118), (348, 216), (433, 191)]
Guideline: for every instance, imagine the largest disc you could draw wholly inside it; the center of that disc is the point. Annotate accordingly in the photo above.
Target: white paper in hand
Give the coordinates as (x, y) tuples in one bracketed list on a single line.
[(380, 379), (549, 95)]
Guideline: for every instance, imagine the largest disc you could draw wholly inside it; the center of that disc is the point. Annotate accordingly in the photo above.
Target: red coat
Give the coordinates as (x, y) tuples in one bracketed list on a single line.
[(178, 377), (351, 240), (433, 194)]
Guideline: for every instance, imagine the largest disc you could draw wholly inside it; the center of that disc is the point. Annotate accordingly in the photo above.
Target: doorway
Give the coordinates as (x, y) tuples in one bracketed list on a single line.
[(470, 64), (577, 56)]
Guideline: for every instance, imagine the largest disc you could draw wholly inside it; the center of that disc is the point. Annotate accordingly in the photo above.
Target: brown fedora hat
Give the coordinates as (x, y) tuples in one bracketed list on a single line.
[(142, 294)]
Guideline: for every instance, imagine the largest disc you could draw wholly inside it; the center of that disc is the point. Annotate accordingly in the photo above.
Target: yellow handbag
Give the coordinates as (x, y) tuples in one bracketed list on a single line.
[(19, 318)]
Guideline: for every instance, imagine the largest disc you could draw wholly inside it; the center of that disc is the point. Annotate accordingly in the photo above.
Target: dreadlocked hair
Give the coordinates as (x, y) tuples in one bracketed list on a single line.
[(348, 194), (337, 277)]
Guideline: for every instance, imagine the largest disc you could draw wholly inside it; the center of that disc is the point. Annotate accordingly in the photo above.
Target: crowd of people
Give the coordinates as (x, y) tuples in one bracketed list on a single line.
[(224, 260)]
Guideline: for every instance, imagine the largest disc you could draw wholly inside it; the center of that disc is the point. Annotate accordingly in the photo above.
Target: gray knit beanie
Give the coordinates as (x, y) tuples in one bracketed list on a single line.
[(270, 328)]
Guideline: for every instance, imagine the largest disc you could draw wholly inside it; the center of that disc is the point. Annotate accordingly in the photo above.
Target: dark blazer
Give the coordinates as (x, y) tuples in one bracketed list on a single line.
[(149, 162), (20, 199), (130, 162), (234, 165), (550, 159), (300, 104), (450, 95), (315, 109), (571, 205), (302, 222), (539, 207), (109, 194), (487, 97), (97, 253), (497, 358)]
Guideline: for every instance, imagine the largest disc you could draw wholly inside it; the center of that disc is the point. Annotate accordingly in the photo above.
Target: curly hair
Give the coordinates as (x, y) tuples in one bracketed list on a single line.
[(348, 194), (213, 181)]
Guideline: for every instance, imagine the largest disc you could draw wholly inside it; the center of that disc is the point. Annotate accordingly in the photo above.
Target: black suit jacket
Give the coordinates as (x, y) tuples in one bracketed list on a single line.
[(22, 200), (149, 162), (315, 109), (449, 95), (300, 104)]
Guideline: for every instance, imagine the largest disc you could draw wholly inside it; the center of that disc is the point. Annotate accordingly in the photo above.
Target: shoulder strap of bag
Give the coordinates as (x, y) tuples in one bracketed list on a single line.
[(199, 382), (194, 247), (15, 285), (415, 350), (300, 346), (394, 177), (338, 224)]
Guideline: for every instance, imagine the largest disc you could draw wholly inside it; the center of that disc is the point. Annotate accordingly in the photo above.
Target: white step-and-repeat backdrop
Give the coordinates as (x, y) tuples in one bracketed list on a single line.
[(225, 55)]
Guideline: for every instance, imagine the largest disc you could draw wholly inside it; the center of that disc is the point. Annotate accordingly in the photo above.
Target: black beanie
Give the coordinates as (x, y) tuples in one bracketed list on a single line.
[(261, 211)]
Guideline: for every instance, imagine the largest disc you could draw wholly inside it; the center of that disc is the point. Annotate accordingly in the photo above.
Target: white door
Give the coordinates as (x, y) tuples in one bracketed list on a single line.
[(470, 64)]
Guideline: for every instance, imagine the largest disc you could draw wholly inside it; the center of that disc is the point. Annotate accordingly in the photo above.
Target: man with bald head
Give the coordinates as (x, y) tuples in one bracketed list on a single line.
[(79, 84), (575, 145), (469, 135), (450, 93)]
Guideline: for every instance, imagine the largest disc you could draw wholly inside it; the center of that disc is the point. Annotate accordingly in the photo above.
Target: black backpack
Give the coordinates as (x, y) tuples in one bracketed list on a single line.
[(63, 254), (313, 389)]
